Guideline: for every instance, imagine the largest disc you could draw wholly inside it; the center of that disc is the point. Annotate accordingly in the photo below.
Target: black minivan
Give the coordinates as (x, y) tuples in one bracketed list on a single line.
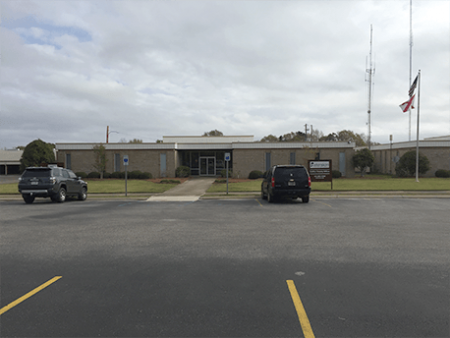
[(286, 181)]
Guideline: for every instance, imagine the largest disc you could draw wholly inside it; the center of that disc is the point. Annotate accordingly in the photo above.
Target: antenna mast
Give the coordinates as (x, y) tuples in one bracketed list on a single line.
[(410, 59), (371, 71)]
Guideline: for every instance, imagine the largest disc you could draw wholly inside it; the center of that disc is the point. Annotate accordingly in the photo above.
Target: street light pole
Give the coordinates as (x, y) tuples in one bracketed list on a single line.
[(109, 132)]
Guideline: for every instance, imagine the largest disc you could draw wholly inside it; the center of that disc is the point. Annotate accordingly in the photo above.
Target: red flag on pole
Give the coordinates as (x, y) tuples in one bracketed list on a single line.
[(405, 105)]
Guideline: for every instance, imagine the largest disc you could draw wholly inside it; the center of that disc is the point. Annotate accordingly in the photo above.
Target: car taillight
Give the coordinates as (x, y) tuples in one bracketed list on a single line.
[(273, 182), (309, 181)]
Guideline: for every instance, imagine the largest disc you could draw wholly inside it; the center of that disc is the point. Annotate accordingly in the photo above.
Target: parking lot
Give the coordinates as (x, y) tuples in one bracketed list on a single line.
[(374, 267)]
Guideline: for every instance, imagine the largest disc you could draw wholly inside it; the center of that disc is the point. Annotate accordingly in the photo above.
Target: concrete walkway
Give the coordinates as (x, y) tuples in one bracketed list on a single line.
[(189, 191)]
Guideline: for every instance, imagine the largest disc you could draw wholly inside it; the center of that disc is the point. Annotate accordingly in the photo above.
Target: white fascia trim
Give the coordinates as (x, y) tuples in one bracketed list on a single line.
[(117, 146), (412, 144), (293, 145)]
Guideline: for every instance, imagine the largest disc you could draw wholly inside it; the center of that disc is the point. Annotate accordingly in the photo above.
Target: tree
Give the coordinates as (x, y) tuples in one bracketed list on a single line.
[(363, 159), (345, 136), (35, 153), (213, 133), (135, 140), (269, 138), (100, 159), (407, 164)]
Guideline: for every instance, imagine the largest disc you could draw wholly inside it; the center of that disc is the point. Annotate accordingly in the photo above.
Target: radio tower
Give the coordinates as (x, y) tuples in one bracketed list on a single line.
[(371, 72), (410, 59)]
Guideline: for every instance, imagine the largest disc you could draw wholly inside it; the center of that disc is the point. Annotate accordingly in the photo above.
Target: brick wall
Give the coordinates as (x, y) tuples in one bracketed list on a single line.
[(143, 160), (439, 158), (247, 160)]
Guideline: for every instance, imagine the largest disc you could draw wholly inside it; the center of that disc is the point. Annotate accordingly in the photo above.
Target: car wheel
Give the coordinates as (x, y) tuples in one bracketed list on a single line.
[(28, 198), (62, 194), (264, 197), (305, 199), (82, 195)]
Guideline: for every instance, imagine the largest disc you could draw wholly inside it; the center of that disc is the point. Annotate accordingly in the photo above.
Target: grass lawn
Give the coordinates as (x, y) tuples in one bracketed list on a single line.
[(108, 186), (356, 184)]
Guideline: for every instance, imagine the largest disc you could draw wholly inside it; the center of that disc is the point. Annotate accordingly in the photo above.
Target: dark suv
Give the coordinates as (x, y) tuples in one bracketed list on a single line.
[(54, 182), (286, 180)]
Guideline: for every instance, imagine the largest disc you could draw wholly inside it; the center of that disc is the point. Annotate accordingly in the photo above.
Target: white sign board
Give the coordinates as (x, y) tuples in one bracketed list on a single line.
[(125, 159), (227, 156)]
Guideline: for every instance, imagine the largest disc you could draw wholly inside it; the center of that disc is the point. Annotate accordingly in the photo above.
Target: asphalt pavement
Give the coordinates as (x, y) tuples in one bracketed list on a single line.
[(128, 268)]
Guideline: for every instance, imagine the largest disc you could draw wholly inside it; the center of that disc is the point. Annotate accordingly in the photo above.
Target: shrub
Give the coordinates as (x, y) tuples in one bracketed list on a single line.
[(145, 176), (81, 174), (106, 175), (182, 171), (220, 181), (407, 164), (116, 174), (223, 173), (94, 174), (336, 174), (442, 173), (134, 174), (255, 174)]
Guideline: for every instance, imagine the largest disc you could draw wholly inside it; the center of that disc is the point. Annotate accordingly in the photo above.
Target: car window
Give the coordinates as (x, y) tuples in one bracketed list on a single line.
[(44, 172), (65, 174), (290, 172), (56, 172), (71, 174)]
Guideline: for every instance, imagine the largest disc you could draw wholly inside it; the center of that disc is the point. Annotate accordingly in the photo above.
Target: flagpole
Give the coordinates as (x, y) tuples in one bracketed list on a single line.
[(418, 119)]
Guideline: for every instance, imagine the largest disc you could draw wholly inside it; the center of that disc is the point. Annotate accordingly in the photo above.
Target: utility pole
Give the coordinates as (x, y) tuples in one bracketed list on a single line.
[(306, 132), (371, 71), (311, 133)]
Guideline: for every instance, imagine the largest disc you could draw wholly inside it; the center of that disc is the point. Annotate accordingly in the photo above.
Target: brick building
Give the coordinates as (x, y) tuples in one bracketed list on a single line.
[(205, 155), (436, 149)]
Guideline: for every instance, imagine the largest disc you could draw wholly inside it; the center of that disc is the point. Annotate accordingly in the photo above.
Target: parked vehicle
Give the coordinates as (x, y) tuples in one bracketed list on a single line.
[(286, 181), (54, 182)]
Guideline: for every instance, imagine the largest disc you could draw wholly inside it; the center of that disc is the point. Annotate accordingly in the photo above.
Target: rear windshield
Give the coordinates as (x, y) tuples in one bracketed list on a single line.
[(290, 172), (37, 173)]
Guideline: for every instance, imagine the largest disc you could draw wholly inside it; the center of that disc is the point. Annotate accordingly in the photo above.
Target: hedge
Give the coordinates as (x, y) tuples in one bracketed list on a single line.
[(255, 174), (442, 173)]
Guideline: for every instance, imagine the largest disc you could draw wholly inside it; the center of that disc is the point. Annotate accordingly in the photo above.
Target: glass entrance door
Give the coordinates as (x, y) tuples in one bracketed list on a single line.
[(207, 166)]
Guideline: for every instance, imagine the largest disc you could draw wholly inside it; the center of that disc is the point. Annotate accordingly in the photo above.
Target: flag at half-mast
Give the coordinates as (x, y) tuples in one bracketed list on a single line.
[(405, 106)]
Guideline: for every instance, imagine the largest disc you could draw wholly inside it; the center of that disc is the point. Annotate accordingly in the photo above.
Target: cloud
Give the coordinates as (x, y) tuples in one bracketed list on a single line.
[(149, 69)]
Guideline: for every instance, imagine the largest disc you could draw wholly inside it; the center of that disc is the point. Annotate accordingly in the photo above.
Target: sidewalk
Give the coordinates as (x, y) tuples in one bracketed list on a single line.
[(189, 191)]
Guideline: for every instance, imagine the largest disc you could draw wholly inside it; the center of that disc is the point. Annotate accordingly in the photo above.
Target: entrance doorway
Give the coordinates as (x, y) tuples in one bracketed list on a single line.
[(207, 166)]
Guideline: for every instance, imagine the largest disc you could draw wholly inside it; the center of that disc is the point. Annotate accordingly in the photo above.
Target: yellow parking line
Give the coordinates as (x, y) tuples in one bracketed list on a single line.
[(304, 321), (258, 202), (28, 295), (322, 203)]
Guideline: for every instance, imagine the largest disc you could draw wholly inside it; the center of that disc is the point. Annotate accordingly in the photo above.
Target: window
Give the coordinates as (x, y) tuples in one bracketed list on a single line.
[(292, 158), (68, 161), (116, 162), (268, 162), (65, 174)]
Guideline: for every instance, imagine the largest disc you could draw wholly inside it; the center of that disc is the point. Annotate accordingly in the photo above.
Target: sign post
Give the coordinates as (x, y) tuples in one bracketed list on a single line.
[(320, 171), (227, 159), (125, 163)]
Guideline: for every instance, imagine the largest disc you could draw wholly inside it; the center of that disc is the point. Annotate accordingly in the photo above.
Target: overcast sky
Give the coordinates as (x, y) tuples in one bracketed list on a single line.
[(162, 68)]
